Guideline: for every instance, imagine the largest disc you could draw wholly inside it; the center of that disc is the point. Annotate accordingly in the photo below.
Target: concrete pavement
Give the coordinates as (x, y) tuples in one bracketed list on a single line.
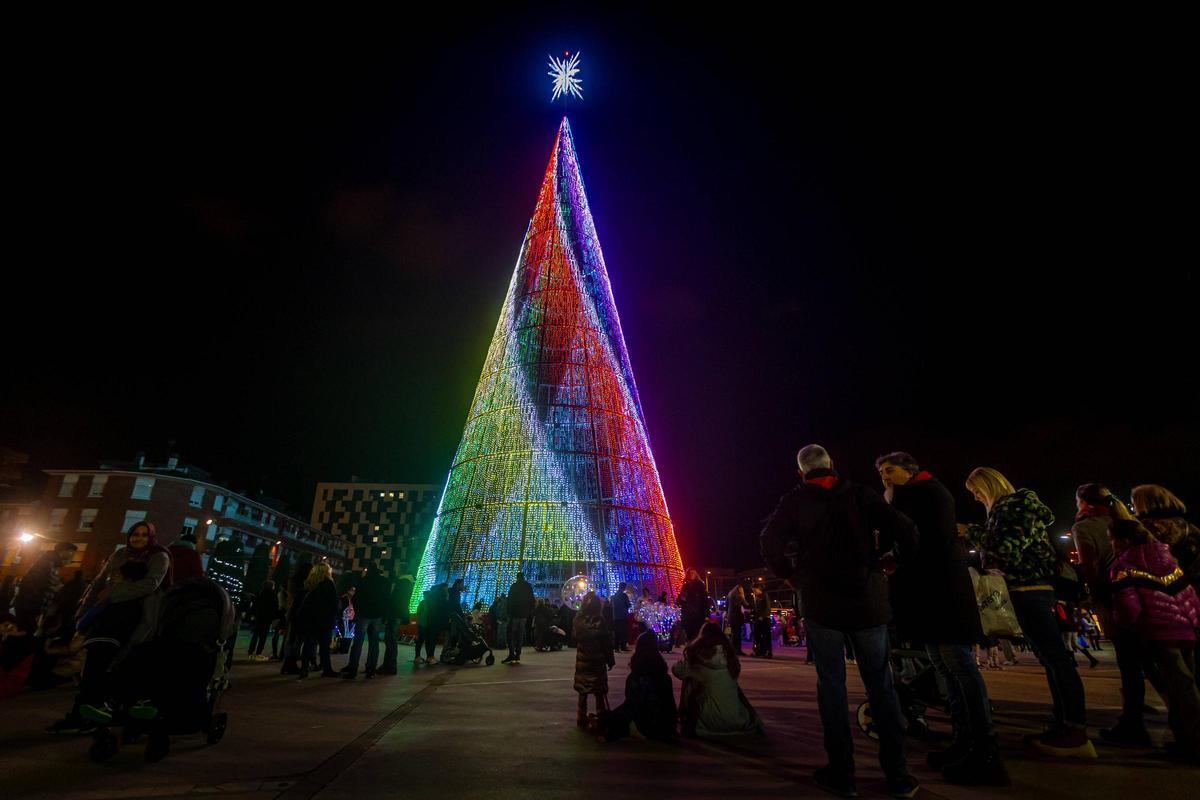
[(509, 732)]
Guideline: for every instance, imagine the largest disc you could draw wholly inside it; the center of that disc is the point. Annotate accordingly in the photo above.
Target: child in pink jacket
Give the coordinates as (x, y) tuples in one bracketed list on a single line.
[(1153, 599)]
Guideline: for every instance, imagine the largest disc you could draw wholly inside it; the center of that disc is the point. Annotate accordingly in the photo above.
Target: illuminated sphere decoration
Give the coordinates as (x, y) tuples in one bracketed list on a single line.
[(574, 590)]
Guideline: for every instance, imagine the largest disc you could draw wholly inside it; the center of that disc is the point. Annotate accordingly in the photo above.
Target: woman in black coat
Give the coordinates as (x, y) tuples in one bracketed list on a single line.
[(316, 618), (934, 604), (694, 604)]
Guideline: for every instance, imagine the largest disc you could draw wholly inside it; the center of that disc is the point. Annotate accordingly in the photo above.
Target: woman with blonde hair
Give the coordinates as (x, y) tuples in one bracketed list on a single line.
[(1162, 513), (1014, 541), (317, 616)]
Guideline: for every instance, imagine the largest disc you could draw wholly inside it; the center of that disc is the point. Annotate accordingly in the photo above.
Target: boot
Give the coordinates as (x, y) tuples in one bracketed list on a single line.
[(982, 766)]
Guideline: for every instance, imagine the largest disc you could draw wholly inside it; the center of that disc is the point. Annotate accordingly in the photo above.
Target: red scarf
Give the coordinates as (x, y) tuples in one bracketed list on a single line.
[(827, 480), (923, 475)]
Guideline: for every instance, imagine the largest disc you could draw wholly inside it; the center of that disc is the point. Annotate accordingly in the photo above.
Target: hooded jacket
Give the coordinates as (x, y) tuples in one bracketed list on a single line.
[(1184, 540), (1151, 595)]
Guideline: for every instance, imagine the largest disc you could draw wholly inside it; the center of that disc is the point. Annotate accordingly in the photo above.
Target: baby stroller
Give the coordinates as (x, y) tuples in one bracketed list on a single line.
[(171, 684), (466, 643), (916, 687)]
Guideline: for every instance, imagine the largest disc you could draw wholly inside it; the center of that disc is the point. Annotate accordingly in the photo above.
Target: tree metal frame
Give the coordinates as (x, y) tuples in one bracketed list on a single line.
[(554, 473)]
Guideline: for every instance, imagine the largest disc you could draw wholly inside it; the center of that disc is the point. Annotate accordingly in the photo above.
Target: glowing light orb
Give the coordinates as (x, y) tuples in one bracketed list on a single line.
[(575, 589)]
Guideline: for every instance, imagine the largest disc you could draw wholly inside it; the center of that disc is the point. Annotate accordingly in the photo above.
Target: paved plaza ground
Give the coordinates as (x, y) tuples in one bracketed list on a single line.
[(509, 732)]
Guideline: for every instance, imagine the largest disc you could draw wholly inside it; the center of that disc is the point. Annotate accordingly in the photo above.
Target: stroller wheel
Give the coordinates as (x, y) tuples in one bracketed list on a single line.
[(216, 728), (866, 722), (157, 747), (491, 659), (104, 745)]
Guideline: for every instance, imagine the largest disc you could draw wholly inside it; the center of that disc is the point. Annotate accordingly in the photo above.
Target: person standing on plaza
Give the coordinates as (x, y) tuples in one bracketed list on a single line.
[(371, 605), (37, 590), (939, 610), (519, 607), (293, 643), (265, 611), (543, 618), (1014, 540), (500, 622), (318, 614), (762, 623), (1153, 599), (735, 614), (1163, 515), (1097, 508), (620, 615), (694, 604), (822, 537), (593, 659)]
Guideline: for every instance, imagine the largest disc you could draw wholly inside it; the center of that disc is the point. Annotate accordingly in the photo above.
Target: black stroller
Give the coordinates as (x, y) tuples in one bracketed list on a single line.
[(172, 683), (465, 643), (917, 689)]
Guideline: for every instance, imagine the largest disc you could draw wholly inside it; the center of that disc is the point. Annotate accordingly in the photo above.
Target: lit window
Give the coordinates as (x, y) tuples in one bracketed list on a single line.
[(374, 538), (87, 518), (197, 496), (142, 487), (131, 519), (218, 502), (57, 515), (97, 489), (67, 489), (376, 527)]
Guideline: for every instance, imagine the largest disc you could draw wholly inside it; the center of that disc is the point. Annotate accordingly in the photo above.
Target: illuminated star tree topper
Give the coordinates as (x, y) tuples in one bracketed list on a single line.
[(564, 71)]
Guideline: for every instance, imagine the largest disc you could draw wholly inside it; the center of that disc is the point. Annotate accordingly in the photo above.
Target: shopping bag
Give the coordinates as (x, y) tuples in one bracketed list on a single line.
[(995, 608)]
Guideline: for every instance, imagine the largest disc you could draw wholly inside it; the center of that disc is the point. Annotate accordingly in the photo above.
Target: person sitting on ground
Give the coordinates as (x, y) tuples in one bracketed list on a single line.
[(649, 696), (710, 701), (593, 659), (1153, 599), (543, 616)]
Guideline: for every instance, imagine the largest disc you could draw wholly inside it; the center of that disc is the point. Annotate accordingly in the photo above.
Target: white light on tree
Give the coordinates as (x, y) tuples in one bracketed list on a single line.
[(564, 70)]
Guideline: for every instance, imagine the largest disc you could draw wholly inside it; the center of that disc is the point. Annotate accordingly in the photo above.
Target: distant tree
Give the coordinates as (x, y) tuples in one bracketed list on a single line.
[(227, 567)]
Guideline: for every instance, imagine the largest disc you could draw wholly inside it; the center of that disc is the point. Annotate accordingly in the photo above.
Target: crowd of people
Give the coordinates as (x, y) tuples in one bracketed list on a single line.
[(874, 573)]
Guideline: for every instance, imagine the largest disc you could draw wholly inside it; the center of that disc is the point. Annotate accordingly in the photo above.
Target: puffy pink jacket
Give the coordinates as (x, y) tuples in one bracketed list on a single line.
[(1151, 595)]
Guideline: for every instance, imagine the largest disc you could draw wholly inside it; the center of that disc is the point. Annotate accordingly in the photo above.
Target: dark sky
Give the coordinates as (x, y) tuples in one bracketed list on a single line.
[(286, 251)]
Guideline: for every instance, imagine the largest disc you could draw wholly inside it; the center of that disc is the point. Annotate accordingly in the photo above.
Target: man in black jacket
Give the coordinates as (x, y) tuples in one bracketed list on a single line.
[(371, 604), (519, 607), (827, 535), (620, 614), (935, 605)]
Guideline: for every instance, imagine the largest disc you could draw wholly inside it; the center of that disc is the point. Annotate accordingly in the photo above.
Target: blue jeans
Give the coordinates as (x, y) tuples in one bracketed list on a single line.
[(966, 692), (370, 628), (874, 667), (1035, 612)]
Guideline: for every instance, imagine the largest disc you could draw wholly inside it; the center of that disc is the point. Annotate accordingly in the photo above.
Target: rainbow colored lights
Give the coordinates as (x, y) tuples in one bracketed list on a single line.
[(554, 473)]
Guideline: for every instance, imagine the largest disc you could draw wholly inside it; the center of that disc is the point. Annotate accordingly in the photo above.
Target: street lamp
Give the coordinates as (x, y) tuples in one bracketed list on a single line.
[(26, 537)]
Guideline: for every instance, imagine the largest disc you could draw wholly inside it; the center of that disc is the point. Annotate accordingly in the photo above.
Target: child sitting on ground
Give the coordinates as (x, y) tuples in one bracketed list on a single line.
[(593, 659)]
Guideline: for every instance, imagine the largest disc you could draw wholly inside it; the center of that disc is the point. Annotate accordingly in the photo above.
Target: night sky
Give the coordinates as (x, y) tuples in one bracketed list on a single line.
[(286, 253)]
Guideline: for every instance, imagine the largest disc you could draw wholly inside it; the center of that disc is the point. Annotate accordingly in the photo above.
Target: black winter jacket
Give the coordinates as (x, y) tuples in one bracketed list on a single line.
[(320, 610), (520, 599), (373, 598), (824, 539), (932, 595)]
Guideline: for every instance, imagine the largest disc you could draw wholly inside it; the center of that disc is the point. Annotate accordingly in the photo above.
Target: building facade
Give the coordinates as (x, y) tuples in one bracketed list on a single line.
[(94, 508), (385, 523)]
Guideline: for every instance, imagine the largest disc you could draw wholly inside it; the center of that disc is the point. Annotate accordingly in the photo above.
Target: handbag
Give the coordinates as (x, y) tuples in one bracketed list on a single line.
[(996, 614)]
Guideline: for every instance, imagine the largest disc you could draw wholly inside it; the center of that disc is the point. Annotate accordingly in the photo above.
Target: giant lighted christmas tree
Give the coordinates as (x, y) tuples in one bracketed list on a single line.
[(554, 473)]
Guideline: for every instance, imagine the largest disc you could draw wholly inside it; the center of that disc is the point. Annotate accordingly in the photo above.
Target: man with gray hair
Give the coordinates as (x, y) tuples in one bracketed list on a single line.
[(822, 537)]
